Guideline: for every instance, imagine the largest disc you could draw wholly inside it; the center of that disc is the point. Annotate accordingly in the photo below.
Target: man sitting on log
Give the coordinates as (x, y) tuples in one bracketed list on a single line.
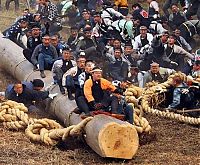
[(70, 78), (34, 40), (44, 55), (97, 92), (61, 66)]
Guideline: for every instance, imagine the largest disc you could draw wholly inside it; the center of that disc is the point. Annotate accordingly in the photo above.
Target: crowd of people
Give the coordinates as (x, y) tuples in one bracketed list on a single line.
[(123, 45)]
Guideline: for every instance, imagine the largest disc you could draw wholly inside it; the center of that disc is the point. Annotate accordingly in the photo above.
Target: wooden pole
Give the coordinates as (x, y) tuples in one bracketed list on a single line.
[(107, 136)]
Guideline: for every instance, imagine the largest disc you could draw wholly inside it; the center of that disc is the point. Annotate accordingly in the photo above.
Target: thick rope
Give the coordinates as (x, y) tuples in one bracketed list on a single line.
[(13, 115), (146, 95)]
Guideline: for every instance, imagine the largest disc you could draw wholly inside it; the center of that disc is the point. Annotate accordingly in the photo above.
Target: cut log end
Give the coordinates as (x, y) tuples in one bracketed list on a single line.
[(118, 140)]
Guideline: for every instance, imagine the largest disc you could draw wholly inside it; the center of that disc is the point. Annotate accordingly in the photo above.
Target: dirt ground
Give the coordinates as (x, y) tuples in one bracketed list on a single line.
[(170, 142)]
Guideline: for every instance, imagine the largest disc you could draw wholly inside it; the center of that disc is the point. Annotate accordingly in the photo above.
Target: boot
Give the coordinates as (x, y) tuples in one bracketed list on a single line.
[(70, 96), (42, 74)]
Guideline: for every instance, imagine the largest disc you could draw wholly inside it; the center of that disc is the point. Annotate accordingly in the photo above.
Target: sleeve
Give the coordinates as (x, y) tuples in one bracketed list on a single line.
[(53, 11), (81, 79), (187, 45), (35, 54), (179, 50), (176, 98), (88, 90), (117, 2), (107, 85), (154, 4), (39, 95), (54, 51), (116, 13)]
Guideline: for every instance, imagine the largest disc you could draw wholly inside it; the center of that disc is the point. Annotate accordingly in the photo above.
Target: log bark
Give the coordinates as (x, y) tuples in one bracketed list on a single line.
[(107, 136)]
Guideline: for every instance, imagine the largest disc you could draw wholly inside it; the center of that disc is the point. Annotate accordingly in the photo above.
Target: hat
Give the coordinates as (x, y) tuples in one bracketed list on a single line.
[(143, 28), (107, 3), (35, 26), (154, 64), (85, 11), (87, 29), (37, 83), (96, 69), (96, 14), (165, 33), (23, 19)]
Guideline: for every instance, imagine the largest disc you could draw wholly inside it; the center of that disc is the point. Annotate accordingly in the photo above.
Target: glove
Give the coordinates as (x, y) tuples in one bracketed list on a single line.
[(185, 91), (53, 95), (174, 63), (98, 106)]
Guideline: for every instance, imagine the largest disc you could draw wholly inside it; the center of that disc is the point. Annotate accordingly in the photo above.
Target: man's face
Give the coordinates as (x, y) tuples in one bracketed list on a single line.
[(37, 18), (54, 41), (46, 40), (97, 75), (74, 32), (177, 33), (86, 15), (174, 9), (154, 69), (42, 2), (18, 88), (116, 44), (66, 55), (81, 63), (128, 50), (171, 40), (23, 24), (143, 32), (164, 38), (88, 34), (117, 54), (89, 66), (97, 19), (35, 32)]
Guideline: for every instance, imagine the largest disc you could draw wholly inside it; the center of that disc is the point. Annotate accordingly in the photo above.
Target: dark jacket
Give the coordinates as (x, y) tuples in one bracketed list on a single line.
[(119, 70), (27, 96), (48, 50)]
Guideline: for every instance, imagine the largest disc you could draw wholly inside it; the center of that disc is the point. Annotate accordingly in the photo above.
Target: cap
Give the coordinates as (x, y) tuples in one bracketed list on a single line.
[(96, 69), (23, 19), (165, 33), (87, 29), (143, 28), (38, 83), (85, 11), (35, 26), (154, 64), (96, 14)]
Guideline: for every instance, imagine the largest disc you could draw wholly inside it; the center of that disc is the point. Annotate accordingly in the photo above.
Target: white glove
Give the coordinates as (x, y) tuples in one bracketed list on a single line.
[(38, 66), (53, 95), (172, 62), (155, 16), (185, 91)]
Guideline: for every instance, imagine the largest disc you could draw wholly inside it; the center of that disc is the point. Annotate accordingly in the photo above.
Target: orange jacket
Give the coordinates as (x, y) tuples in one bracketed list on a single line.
[(105, 85), (121, 3)]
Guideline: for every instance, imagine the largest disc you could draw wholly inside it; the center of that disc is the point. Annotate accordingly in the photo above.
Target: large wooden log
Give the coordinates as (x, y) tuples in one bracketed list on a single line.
[(107, 136)]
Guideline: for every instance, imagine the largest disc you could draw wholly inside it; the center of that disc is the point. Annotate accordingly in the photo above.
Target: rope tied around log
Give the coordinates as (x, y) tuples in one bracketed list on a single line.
[(13, 115), (149, 97)]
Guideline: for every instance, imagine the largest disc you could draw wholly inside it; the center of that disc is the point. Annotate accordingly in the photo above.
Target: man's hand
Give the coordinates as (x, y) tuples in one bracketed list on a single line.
[(98, 106)]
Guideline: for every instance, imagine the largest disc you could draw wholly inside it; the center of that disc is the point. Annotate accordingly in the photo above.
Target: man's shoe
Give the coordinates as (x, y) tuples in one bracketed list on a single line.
[(77, 111), (71, 97), (62, 90), (42, 74)]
